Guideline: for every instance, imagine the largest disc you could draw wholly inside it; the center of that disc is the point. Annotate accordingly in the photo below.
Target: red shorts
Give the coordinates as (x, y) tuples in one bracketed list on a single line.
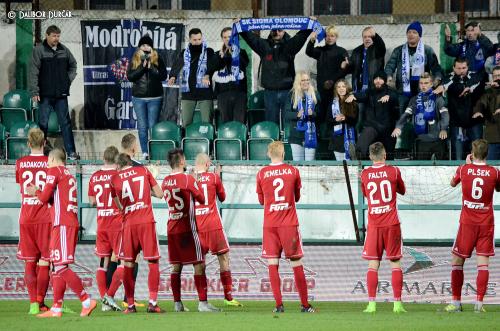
[(386, 238), (214, 241), (62, 244), (184, 248), (108, 242), (286, 239), (139, 237), (472, 236), (34, 241)]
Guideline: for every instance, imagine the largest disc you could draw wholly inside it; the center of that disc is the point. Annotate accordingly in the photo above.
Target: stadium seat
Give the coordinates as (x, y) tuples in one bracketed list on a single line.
[(2, 140), (256, 108), (16, 144), (17, 107), (53, 125), (229, 142), (164, 137), (197, 140), (261, 134), (197, 116)]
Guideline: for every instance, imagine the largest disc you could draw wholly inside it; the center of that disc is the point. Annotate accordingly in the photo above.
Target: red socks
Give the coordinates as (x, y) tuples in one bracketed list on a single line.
[(275, 279), (227, 284), (128, 284), (372, 283), (58, 289), (482, 281), (116, 281), (100, 277), (42, 282), (74, 282), (30, 279), (301, 284), (397, 283), (153, 281), (200, 281), (457, 281), (175, 283)]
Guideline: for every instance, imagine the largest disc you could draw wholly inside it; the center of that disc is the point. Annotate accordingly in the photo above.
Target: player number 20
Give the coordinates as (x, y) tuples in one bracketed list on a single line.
[(385, 191)]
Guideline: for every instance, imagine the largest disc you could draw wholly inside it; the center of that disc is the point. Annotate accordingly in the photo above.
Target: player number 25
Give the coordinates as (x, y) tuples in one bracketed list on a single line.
[(385, 191), (180, 203)]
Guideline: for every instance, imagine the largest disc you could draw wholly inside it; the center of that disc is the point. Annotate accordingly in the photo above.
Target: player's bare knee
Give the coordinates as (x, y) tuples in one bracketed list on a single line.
[(374, 264), (43, 263), (395, 263), (273, 261), (223, 262), (114, 258), (457, 260), (177, 268), (296, 262), (483, 260), (199, 268), (129, 264)]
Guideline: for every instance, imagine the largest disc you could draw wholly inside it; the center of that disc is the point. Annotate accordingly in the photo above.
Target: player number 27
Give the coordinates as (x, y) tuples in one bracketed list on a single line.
[(385, 191), (99, 189)]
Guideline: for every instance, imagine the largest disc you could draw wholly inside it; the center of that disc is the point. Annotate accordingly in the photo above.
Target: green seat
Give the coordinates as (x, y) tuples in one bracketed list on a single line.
[(16, 143), (2, 140), (16, 107), (256, 100), (164, 137), (261, 134), (229, 142), (197, 140), (256, 108), (20, 129)]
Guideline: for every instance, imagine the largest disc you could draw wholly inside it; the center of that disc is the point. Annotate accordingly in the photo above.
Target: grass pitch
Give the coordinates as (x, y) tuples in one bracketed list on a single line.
[(257, 316)]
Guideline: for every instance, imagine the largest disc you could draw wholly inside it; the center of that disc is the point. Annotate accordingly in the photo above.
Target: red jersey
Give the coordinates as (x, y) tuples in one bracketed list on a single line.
[(109, 216), (207, 214), (180, 192), (379, 184), (278, 189), (61, 186), (32, 169), (132, 185), (478, 185)]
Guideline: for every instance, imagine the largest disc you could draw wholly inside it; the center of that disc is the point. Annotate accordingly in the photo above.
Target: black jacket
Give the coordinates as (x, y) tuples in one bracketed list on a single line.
[(380, 116), (375, 55), (329, 59), (194, 92), (217, 63), (485, 49), (147, 81), (277, 58), (52, 71)]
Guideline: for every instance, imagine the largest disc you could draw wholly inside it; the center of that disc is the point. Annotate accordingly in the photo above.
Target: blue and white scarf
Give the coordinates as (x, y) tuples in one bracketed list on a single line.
[(308, 127), (364, 73), (200, 71), (277, 23), (425, 112), (478, 54), (417, 67), (343, 129)]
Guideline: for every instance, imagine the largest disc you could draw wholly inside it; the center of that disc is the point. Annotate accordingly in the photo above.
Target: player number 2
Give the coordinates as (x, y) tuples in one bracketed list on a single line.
[(385, 191), (477, 191), (278, 184)]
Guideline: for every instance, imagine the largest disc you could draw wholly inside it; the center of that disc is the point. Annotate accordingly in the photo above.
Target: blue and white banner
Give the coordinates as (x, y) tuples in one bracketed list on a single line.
[(108, 47)]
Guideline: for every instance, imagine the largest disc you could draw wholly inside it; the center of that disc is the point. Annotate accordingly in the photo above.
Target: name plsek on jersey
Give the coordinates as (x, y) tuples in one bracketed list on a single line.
[(105, 212), (176, 216), (32, 201), (202, 211), (474, 205), (277, 172), (135, 206), (380, 210), (279, 206), (478, 172)]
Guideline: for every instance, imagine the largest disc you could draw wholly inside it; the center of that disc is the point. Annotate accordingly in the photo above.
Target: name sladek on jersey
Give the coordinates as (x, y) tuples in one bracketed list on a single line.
[(33, 164), (474, 205), (277, 172), (101, 178), (377, 175), (478, 172)]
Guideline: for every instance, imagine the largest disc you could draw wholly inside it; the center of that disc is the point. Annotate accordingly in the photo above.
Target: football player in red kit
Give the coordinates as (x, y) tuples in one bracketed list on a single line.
[(209, 223), (109, 228), (380, 184), (132, 190), (476, 230), (60, 187), (35, 223), (278, 189), (181, 191)]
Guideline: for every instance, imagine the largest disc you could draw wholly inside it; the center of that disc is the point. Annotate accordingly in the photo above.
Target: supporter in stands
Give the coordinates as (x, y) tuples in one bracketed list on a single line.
[(300, 119), (53, 69), (147, 71), (330, 58), (408, 62), (193, 61), (488, 107), (231, 91), (463, 89), (342, 118), (430, 119), (475, 48), (494, 59), (381, 111), (277, 53)]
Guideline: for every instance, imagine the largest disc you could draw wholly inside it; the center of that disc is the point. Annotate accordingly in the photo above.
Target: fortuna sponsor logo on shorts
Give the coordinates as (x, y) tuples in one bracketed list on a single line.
[(380, 210), (72, 208), (135, 206), (474, 205), (279, 206), (106, 212), (202, 211), (31, 201), (176, 216)]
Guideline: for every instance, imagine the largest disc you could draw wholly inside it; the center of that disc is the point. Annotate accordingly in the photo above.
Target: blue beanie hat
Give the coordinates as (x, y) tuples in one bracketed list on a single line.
[(415, 26)]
